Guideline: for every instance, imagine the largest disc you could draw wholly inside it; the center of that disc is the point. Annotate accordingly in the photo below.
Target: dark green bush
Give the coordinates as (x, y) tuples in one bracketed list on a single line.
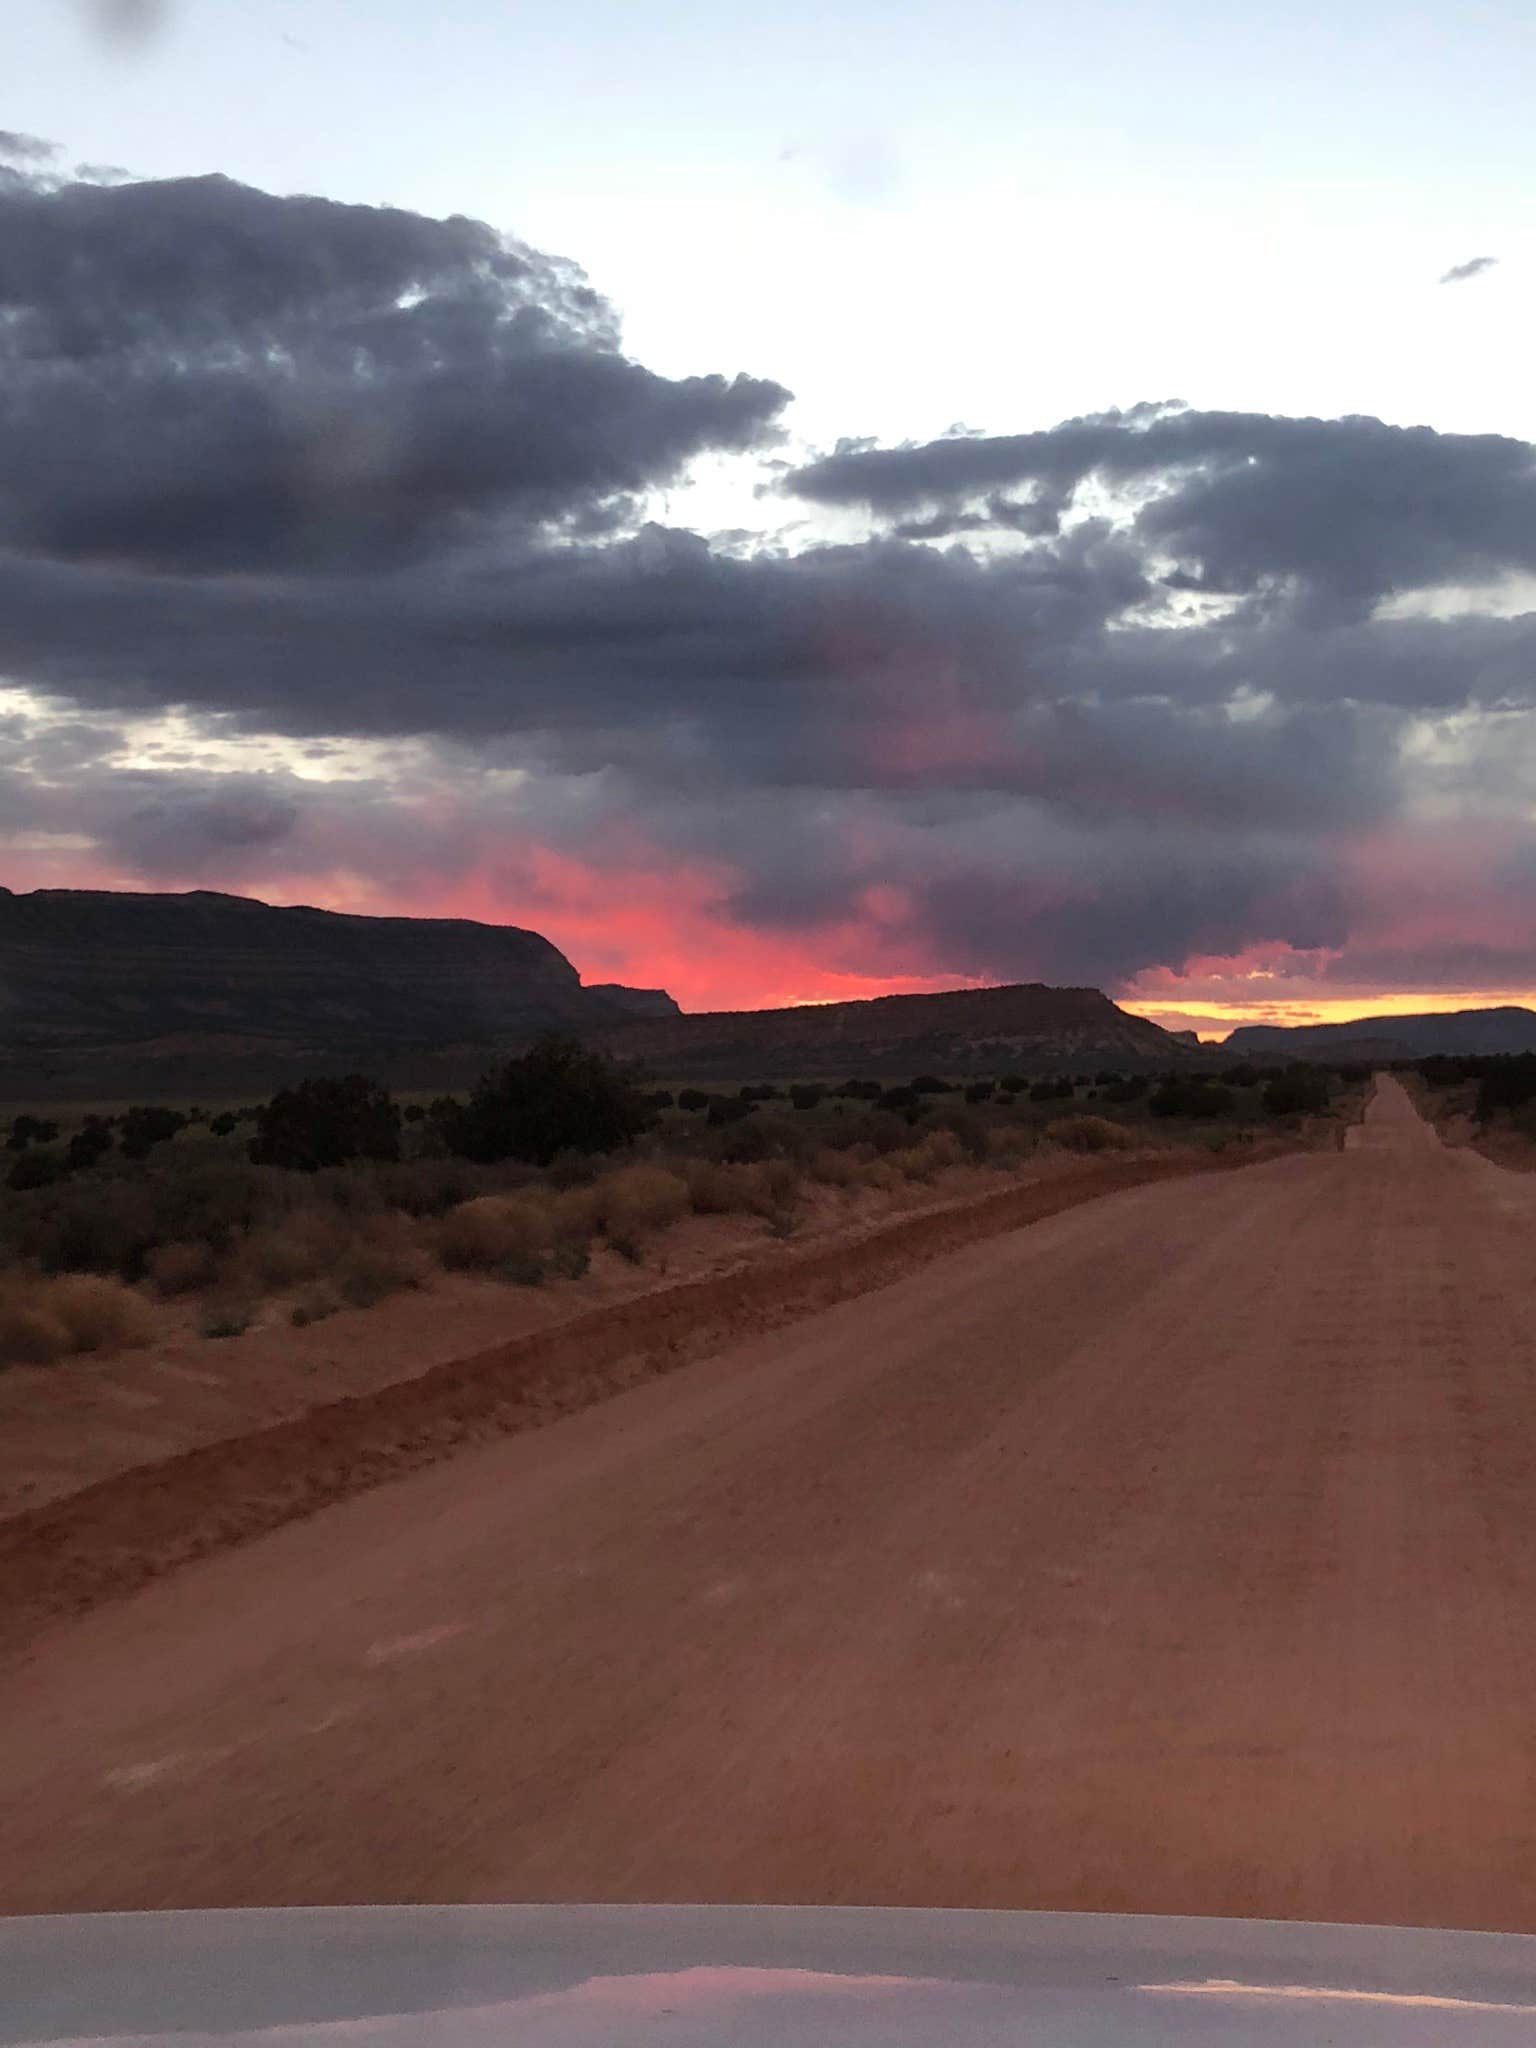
[(1299, 1091), (148, 1125), (980, 1091), (806, 1094), (559, 1095), (728, 1109), (35, 1170), (1186, 1095), (692, 1099), (326, 1122), (87, 1145)]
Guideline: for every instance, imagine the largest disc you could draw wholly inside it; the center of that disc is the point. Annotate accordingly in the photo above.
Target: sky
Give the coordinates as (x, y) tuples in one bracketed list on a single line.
[(793, 503)]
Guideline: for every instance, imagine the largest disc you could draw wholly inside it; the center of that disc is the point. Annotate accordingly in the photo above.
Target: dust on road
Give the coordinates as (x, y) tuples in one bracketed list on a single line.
[(1174, 1555)]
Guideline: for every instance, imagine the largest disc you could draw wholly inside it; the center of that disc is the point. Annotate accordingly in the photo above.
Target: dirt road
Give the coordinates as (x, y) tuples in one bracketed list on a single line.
[(1177, 1554)]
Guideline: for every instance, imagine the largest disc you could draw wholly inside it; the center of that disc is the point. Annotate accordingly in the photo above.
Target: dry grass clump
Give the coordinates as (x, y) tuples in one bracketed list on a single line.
[(184, 1267), (1089, 1134), (43, 1318), (932, 1156), (716, 1187), (491, 1230), (637, 1200), (835, 1169), (381, 1260), (1009, 1143)]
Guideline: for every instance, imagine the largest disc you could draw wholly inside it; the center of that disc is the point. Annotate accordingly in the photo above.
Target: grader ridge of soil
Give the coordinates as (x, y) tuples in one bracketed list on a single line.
[(106, 1540)]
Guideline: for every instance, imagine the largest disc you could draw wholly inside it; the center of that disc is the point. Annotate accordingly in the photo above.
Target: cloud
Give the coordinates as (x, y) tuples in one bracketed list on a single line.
[(25, 149), (329, 569), (199, 376), (1327, 516), (126, 24), (1473, 267)]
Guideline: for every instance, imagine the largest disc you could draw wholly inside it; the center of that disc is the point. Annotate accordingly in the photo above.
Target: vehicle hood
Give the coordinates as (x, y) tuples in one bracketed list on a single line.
[(749, 1976)]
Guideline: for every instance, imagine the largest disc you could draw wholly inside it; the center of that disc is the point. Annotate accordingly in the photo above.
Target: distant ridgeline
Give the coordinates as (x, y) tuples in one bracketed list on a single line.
[(1509, 1029), (112, 994), (137, 992)]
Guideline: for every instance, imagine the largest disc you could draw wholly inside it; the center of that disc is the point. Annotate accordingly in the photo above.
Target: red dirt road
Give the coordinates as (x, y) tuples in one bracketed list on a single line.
[(1176, 1554)]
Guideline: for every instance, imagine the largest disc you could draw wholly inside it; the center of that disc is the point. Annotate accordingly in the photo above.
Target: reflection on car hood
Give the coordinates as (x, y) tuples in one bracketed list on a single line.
[(748, 1976)]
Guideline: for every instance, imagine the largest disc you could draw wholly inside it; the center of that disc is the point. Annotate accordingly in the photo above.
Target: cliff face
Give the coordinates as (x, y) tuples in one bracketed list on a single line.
[(1028, 1024), (130, 973)]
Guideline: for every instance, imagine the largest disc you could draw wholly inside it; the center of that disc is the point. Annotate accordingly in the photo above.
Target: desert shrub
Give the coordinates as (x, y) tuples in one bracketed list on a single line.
[(921, 1162), (761, 1091), (570, 1261), (1089, 1134), (558, 1095), (775, 1183), (639, 1199), (29, 1334), (1013, 1084), (147, 1125), (91, 1142), (43, 1318), (742, 1144), (373, 1267), (574, 1213), (414, 1113), (182, 1267), (27, 1130), (835, 1169), (482, 1234), (716, 1188), (325, 1122), (1505, 1084), (806, 1094), (521, 1269), (968, 1130), (227, 1318), (313, 1306), (1051, 1091), (35, 1170), (930, 1084), (223, 1123), (1244, 1075), (100, 1314), (1299, 1091), (1187, 1095), (1009, 1143), (1131, 1089), (861, 1091), (661, 1098), (900, 1098), (721, 1188), (979, 1091), (728, 1109), (430, 1187), (692, 1099)]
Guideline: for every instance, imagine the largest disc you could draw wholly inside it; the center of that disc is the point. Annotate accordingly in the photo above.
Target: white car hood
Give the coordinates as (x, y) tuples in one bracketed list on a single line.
[(750, 1977)]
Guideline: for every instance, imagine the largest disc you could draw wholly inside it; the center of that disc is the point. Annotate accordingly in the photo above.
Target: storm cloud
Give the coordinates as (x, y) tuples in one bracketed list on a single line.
[(332, 567)]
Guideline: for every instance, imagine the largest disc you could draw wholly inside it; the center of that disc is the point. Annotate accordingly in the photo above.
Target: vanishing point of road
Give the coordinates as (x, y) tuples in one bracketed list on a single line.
[(1176, 1554)]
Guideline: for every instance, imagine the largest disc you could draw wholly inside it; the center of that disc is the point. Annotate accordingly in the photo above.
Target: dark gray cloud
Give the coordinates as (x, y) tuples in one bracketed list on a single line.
[(25, 149), (1331, 515), (345, 475), (198, 376), (1473, 267)]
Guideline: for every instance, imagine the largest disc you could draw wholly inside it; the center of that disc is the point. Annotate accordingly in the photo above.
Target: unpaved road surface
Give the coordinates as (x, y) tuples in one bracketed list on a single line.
[(1176, 1554)]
